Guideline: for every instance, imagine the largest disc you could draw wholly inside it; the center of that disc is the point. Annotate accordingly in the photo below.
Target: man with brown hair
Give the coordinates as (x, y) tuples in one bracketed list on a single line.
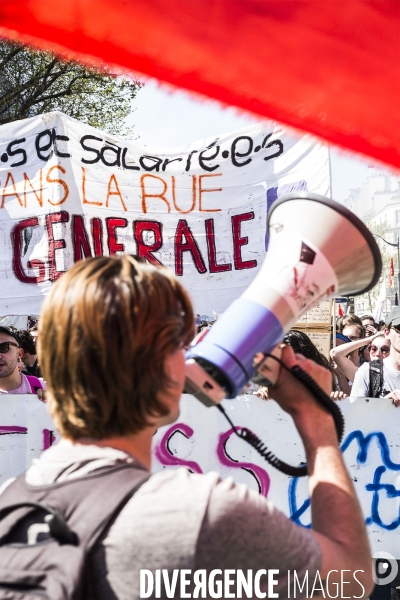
[(111, 347)]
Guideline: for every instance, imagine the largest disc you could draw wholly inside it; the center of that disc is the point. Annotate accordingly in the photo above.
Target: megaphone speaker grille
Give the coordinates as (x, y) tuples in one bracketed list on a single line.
[(338, 234)]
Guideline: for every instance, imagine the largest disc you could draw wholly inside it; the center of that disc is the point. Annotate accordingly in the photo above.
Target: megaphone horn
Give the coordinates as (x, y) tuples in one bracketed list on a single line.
[(318, 249)]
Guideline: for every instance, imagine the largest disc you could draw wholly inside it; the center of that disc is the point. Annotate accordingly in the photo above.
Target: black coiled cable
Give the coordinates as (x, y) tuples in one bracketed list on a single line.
[(254, 441)]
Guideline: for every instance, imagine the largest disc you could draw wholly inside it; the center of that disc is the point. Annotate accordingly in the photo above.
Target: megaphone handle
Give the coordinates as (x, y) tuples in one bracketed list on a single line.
[(254, 441)]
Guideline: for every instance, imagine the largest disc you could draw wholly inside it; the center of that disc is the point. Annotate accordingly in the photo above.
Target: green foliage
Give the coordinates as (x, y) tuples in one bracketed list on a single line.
[(34, 82)]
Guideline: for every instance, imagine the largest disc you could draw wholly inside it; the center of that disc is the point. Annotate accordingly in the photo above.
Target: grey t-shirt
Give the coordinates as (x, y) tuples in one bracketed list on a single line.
[(360, 387), (180, 520)]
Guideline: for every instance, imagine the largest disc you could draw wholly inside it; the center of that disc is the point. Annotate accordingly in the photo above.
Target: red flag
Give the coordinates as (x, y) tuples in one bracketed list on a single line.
[(340, 311), (331, 68), (391, 273)]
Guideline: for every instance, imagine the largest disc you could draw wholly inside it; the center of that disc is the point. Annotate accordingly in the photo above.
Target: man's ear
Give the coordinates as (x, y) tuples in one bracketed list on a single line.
[(20, 353), (387, 332)]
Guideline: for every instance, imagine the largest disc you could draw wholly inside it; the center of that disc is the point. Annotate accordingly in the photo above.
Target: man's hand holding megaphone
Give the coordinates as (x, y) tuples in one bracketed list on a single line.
[(333, 498), (292, 395)]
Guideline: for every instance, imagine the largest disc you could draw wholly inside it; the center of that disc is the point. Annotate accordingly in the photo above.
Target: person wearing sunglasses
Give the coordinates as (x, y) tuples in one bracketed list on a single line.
[(12, 381), (380, 347), (382, 379)]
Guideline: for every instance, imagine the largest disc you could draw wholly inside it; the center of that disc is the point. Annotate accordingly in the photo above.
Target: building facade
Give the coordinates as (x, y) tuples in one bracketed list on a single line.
[(377, 202)]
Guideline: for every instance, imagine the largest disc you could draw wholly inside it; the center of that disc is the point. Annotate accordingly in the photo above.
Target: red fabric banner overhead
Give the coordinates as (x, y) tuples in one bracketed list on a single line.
[(391, 272), (331, 67)]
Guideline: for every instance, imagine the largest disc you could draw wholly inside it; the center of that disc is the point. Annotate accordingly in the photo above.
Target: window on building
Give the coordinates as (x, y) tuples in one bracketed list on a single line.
[(397, 217)]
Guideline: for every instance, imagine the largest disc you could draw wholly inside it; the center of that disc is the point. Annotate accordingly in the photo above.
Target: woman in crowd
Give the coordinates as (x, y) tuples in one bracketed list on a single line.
[(348, 357), (342, 322)]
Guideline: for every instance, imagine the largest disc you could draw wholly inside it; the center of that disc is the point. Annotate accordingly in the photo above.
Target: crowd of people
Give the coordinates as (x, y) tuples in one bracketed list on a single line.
[(365, 358), (364, 361), (110, 419)]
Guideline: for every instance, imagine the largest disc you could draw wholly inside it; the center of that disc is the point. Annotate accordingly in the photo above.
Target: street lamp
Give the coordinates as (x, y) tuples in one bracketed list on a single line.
[(397, 245)]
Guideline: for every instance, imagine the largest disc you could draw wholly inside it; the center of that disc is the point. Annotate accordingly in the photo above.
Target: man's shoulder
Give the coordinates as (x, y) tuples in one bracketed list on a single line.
[(172, 491), (391, 378), (391, 372), (174, 495), (172, 488), (23, 387), (167, 510), (180, 479), (211, 486)]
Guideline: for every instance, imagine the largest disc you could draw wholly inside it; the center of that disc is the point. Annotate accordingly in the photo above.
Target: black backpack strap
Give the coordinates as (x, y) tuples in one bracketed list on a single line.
[(86, 505), (375, 378)]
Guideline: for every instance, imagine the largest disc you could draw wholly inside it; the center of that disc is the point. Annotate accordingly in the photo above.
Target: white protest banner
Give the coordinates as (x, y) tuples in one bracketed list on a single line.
[(202, 441), (68, 191), (26, 429)]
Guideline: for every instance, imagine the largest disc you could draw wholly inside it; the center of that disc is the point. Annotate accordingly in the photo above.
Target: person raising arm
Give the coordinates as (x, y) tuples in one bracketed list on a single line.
[(381, 378), (340, 354)]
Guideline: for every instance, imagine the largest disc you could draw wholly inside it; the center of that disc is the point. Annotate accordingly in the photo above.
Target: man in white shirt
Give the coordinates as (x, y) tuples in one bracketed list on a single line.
[(11, 380)]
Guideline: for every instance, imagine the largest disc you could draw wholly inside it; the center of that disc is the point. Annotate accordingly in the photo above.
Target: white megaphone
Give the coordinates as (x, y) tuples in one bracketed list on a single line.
[(318, 249)]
